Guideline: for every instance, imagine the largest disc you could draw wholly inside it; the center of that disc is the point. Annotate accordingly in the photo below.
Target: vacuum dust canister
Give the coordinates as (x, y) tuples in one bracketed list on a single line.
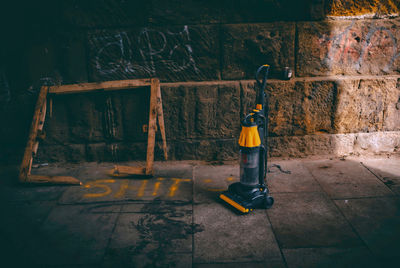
[(249, 142)]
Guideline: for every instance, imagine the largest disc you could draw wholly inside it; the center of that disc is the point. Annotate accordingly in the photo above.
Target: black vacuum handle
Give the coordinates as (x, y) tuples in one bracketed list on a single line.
[(262, 70)]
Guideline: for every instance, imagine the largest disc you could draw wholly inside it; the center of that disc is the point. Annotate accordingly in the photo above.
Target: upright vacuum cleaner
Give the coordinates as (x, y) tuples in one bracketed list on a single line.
[(252, 191)]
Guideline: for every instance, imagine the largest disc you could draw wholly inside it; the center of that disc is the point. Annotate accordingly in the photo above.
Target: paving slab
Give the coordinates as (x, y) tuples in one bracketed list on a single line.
[(74, 266), (346, 179), (18, 231), (309, 220), (377, 221), (290, 176), (278, 263), (387, 169), (153, 235), (173, 169), (72, 235), (329, 257), (172, 181), (19, 193), (178, 260), (11, 191), (229, 237), (211, 180)]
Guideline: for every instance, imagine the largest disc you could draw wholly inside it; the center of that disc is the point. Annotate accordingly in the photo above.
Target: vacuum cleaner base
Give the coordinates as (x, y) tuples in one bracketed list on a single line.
[(245, 199)]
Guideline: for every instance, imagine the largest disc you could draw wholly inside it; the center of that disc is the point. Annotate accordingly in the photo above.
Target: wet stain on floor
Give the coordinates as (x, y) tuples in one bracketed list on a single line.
[(164, 229)]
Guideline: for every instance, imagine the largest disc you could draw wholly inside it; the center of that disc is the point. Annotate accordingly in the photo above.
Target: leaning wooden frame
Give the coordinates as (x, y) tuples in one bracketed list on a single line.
[(36, 131)]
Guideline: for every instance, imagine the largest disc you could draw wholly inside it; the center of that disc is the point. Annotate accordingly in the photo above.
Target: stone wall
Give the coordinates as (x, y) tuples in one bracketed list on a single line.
[(344, 97)]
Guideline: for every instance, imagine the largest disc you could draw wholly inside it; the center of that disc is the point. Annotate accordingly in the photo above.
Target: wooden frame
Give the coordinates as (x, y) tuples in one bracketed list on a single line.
[(39, 116)]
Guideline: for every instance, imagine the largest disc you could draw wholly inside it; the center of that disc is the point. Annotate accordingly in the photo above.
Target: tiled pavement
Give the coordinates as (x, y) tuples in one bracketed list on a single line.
[(327, 213)]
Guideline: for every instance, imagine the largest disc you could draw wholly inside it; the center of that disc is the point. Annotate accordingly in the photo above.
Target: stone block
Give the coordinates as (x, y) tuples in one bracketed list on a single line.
[(50, 153), (104, 13), (316, 9), (134, 151), (132, 110), (72, 58), (246, 46), (335, 144), (348, 48), (117, 152), (176, 53), (368, 8), (42, 63), (362, 105), (202, 110), (240, 11), (284, 104), (318, 105), (85, 113), (216, 111), (301, 146), (97, 152), (185, 12), (377, 142), (179, 111), (391, 117), (295, 108), (75, 153), (208, 150), (61, 153), (57, 126)]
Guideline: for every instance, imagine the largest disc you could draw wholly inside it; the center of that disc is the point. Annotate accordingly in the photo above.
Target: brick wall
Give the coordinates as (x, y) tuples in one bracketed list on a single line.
[(344, 97)]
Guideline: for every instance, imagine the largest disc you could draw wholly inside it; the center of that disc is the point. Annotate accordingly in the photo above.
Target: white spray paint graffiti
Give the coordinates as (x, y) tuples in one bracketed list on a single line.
[(153, 51)]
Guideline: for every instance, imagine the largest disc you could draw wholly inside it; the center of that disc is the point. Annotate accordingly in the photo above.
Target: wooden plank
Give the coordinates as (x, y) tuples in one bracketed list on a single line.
[(29, 149), (160, 115), (99, 86), (53, 180), (39, 130), (126, 171), (151, 135)]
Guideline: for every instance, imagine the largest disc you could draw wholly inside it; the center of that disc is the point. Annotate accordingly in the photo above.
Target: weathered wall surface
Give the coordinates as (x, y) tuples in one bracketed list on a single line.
[(344, 98)]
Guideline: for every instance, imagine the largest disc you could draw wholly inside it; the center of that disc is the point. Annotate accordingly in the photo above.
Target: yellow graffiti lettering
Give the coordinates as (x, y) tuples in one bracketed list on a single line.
[(215, 190), (229, 179), (122, 190), (157, 186), (98, 184), (175, 186), (142, 188), (211, 189)]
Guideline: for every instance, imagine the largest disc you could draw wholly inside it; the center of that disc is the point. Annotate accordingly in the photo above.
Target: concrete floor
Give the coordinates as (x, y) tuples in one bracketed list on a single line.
[(327, 213)]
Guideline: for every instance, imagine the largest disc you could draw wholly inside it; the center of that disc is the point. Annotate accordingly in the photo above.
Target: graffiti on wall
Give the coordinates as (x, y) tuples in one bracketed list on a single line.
[(357, 45), (144, 53)]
